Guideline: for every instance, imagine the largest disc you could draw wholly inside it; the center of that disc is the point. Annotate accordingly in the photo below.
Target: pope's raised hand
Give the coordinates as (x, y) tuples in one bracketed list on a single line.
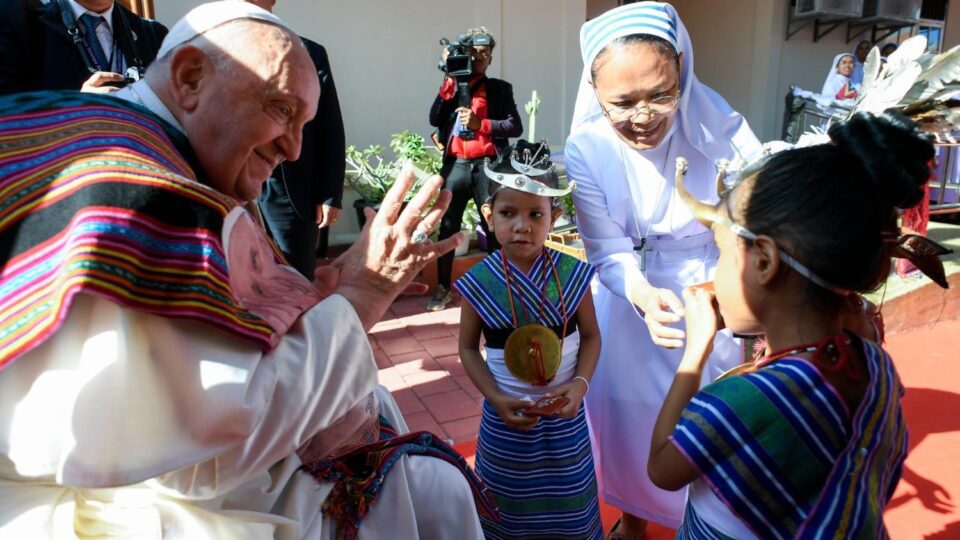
[(390, 251)]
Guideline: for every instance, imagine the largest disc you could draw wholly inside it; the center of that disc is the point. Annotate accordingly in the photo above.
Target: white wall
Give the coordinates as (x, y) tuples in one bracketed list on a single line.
[(384, 54)]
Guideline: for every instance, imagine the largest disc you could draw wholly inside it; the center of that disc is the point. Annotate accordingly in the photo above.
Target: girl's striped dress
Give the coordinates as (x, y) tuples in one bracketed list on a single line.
[(543, 480), (785, 457)]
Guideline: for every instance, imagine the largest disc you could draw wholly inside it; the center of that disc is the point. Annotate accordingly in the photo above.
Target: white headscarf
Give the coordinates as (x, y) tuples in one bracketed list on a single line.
[(835, 80), (710, 124)]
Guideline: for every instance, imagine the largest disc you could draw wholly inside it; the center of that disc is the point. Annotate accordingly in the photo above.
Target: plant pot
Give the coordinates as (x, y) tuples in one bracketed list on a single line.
[(463, 248)]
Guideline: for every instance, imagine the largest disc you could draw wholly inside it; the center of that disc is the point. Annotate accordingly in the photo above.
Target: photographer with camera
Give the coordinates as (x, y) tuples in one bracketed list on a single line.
[(89, 45), (475, 115)]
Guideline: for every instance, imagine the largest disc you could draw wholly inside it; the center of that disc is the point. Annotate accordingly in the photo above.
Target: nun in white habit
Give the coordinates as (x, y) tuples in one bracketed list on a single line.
[(640, 107)]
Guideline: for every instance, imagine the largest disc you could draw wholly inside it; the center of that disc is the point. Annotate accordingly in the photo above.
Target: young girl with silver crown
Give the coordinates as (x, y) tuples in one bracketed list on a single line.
[(533, 307)]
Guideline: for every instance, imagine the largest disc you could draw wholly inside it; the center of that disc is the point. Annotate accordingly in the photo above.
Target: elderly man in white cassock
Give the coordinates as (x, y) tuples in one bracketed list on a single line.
[(162, 373)]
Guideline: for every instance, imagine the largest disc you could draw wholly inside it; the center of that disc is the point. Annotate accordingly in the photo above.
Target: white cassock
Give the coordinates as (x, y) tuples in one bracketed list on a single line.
[(203, 444)]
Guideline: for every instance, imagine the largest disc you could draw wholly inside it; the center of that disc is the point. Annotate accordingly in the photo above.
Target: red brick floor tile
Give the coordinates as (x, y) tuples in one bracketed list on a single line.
[(387, 323), (422, 421), (400, 345), (416, 362), (392, 379), (461, 430), (441, 347), (408, 401), (409, 306), (396, 332), (450, 406), (429, 383), (466, 384), (452, 365), (449, 316), (381, 358), (424, 332)]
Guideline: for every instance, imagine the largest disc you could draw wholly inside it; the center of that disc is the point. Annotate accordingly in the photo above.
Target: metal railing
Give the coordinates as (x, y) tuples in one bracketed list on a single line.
[(803, 114)]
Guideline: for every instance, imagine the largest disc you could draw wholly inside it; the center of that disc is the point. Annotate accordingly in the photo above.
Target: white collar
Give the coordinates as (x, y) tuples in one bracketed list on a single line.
[(141, 93), (79, 10)]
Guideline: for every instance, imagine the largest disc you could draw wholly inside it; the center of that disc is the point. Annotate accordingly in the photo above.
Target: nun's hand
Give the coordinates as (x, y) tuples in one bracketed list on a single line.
[(661, 308)]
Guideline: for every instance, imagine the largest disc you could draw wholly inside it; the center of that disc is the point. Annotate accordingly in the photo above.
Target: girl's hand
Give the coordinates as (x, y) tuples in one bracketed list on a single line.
[(702, 323), (660, 308), (508, 407), (574, 391)]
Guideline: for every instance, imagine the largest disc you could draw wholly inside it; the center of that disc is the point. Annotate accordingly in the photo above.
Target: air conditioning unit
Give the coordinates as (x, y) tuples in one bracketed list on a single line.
[(826, 9), (905, 11)]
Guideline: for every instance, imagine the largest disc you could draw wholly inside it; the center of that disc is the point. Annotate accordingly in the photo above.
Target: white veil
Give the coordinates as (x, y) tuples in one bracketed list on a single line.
[(835, 81), (710, 124)]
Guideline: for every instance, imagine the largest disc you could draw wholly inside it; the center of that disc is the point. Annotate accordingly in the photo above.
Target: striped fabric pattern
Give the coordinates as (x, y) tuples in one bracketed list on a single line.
[(543, 480), (650, 18), (485, 287), (97, 197), (779, 448), (694, 528)]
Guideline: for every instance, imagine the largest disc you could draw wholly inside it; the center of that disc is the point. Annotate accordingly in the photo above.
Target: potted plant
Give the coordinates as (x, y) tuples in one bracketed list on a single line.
[(371, 175)]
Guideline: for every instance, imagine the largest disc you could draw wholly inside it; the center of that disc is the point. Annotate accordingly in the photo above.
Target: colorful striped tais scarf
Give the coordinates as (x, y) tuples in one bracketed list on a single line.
[(98, 196), (358, 475), (485, 287), (780, 449)]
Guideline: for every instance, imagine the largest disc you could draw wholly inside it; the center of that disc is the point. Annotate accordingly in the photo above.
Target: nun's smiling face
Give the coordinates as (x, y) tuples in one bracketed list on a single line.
[(639, 89), (845, 65)]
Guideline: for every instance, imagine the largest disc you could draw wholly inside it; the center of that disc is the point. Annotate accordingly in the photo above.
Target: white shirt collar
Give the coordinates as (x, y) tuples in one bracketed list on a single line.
[(79, 10), (141, 93)]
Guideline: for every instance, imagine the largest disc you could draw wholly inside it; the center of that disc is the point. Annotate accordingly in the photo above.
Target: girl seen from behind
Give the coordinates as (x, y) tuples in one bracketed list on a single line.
[(809, 440), (533, 307)]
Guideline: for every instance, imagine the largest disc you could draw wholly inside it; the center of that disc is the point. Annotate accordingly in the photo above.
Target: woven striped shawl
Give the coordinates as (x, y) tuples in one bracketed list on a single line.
[(485, 287), (779, 447), (98, 196)]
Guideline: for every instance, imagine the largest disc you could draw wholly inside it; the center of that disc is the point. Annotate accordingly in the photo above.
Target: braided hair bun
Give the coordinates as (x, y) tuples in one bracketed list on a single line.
[(895, 155), (830, 204)]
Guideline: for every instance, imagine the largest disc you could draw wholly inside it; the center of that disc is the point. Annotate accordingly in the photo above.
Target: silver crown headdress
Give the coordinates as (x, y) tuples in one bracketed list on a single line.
[(534, 172)]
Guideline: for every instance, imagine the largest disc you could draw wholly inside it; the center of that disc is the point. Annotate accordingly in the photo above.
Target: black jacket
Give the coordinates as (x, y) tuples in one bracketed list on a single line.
[(501, 110), (38, 54)]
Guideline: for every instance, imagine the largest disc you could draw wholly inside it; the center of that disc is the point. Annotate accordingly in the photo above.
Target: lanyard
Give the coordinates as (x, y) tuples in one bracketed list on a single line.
[(74, 31)]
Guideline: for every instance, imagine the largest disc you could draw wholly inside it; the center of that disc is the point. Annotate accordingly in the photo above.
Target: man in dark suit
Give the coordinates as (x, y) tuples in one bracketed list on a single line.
[(492, 117), (39, 54), (302, 198)]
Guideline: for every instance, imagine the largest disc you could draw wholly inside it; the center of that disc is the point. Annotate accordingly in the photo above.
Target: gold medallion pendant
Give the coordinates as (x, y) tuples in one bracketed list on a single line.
[(532, 354)]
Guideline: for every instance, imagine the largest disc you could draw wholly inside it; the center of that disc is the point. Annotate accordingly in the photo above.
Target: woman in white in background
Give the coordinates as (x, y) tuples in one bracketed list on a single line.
[(839, 83), (639, 108)]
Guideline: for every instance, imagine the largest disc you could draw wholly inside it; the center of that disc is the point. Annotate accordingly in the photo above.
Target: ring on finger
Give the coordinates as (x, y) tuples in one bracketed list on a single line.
[(418, 237)]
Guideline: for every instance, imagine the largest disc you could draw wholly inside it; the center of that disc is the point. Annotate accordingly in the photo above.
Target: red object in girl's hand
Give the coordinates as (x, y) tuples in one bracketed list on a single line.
[(547, 406)]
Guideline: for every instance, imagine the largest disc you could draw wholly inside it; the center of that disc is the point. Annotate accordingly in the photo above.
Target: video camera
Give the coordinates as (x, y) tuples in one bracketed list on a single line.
[(459, 61), (459, 65)]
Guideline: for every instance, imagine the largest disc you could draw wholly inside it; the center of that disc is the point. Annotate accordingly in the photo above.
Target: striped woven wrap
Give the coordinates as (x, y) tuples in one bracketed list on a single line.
[(97, 196), (780, 449), (485, 287)]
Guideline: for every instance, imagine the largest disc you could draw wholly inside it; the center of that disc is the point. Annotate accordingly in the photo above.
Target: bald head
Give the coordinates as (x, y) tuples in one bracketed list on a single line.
[(242, 90)]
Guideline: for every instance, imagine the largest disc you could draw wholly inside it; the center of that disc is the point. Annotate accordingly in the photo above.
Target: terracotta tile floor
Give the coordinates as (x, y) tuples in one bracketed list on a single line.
[(416, 352)]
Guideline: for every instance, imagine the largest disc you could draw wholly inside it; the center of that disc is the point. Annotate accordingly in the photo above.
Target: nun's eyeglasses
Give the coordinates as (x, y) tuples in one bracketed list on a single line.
[(657, 106)]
